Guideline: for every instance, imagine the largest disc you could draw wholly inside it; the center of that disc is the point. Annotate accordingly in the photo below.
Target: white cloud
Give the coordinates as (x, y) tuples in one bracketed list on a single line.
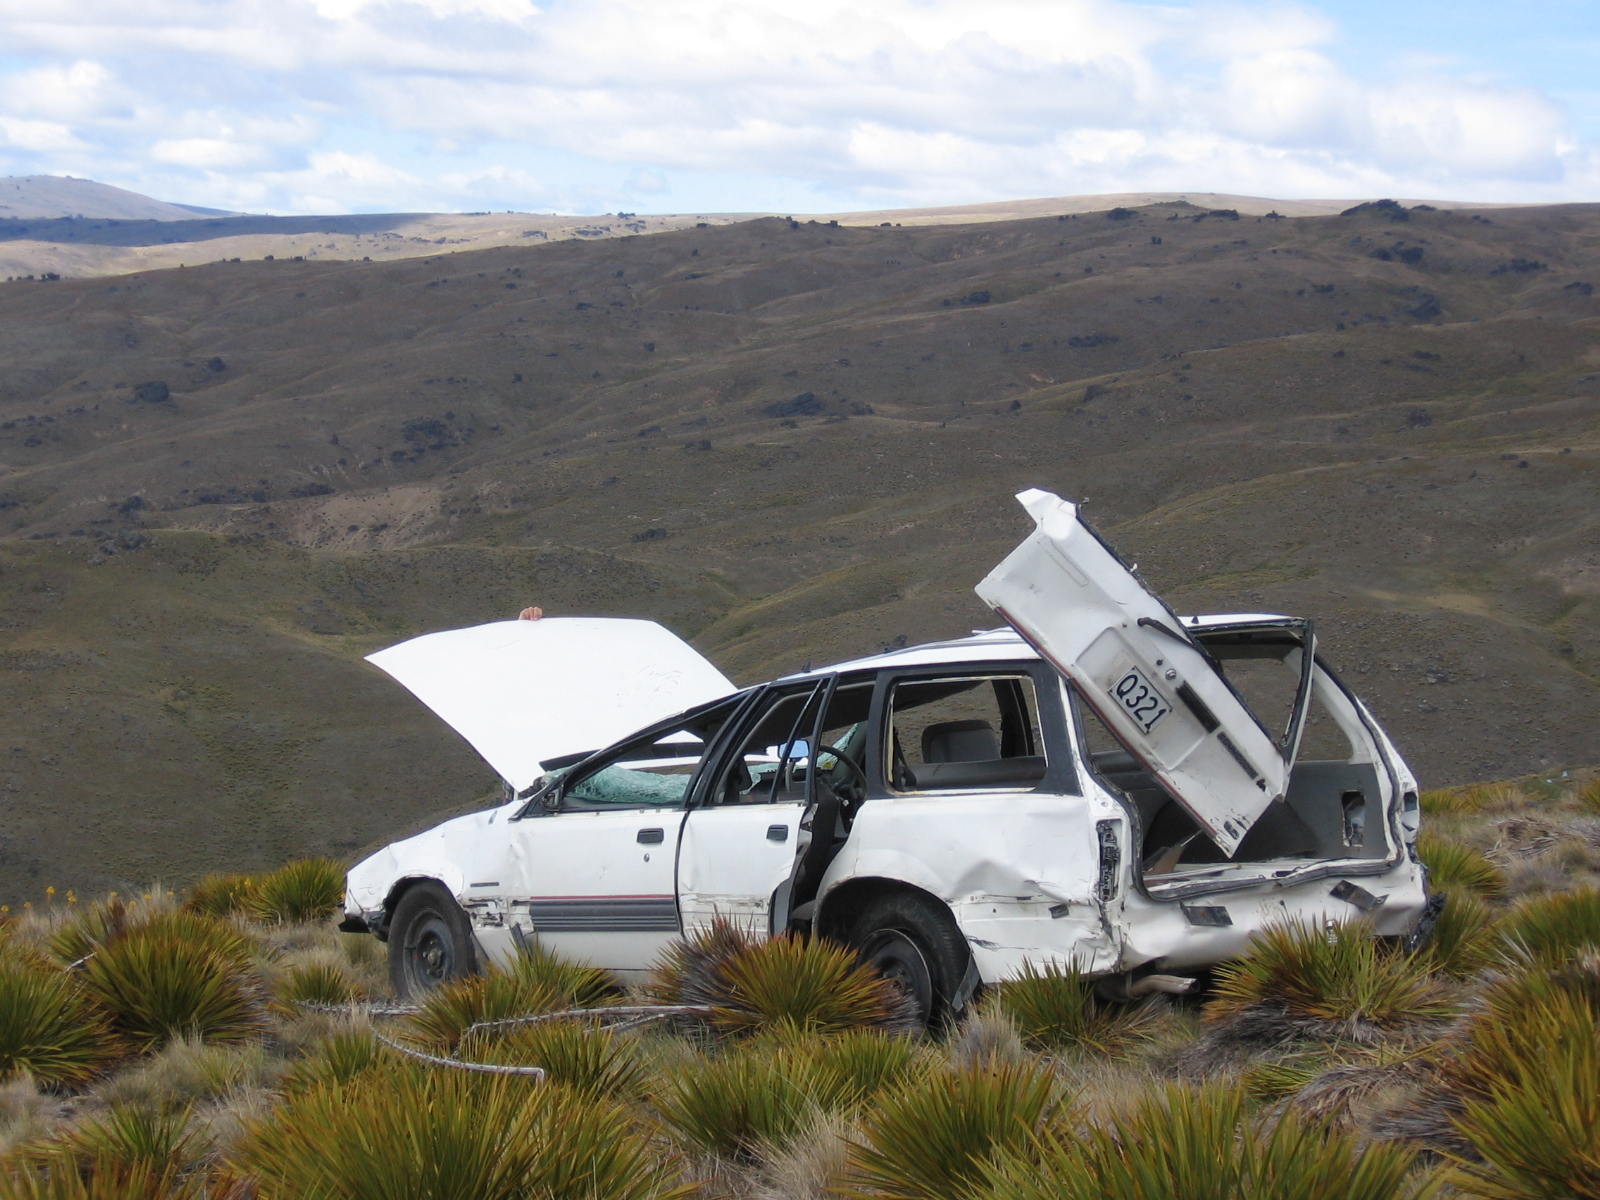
[(370, 102)]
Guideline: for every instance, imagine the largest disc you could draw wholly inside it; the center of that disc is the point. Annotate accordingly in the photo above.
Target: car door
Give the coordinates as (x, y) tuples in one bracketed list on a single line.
[(975, 800), (739, 839), (1087, 614), (589, 868)]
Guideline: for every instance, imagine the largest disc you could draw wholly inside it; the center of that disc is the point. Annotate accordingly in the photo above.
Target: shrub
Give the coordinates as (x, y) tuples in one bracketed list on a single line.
[(1199, 1143), (1463, 940), (308, 889), (1553, 929), (1328, 974), (1455, 864), (48, 1027), (781, 982), (222, 895), (157, 983), (1055, 1008), (403, 1132), (933, 1139)]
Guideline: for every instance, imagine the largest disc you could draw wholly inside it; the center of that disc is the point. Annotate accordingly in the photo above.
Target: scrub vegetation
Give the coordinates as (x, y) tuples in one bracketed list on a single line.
[(212, 1045)]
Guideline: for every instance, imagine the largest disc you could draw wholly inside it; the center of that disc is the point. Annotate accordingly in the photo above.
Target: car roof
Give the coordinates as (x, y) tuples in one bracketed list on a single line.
[(986, 645)]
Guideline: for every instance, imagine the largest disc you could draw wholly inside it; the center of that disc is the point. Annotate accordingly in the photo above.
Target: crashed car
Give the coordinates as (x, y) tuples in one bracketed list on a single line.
[(1099, 781)]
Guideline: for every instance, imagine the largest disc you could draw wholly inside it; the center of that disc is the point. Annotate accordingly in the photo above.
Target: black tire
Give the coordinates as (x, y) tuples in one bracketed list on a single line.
[(913, 940), (430, 941)]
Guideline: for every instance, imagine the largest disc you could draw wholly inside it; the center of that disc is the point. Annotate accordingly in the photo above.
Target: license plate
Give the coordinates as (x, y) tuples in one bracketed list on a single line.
[(1139, 699)]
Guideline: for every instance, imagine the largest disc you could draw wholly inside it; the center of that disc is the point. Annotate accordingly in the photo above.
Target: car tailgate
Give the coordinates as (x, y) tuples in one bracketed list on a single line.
[(1070, 596)]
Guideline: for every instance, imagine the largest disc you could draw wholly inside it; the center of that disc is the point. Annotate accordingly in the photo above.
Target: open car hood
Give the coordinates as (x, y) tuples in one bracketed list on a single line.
[(524, 693), (1086, 613)]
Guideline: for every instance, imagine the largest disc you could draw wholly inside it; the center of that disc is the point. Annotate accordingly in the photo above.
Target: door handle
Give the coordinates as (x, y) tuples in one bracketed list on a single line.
[(652, 837), (777, 833)]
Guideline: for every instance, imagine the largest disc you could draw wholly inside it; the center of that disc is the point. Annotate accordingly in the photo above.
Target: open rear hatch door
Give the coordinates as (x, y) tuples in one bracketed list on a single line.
[(530, 693), (1073, 599)]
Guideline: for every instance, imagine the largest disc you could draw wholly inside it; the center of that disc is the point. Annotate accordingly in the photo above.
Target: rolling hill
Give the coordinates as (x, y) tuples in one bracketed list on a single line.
[(220, 485)]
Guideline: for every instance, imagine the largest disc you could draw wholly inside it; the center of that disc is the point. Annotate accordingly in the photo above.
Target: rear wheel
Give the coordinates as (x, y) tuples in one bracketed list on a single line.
[(430, 941), (914, 941)]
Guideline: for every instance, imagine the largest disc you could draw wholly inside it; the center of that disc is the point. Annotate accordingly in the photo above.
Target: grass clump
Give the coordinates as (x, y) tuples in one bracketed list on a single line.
[(1453, 864), (1464, 939), (1055, 1007), (934, 1139), (575, 1053), (756, 1097), (537, 981), (401, 1132), (1528, 1077), (1555, 928), (335, 1059), (307, 889), (222, 895), (176, 975), (805, 984), (1335, 974), (49, 1028), (316, 983), (1587, 796), (1201, 1143)]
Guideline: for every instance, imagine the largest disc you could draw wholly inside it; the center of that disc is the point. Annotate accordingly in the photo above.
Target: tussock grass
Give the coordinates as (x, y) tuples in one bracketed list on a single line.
[(307, 889), (1340, 974), (317, 982), (1201, 1143), (336, 1059), (755, 1096), (50, 1028), (1464, 939), (783, 982), (1454, 864), (576, 1053), (934, 1139), (1527, 1072), (1587, 796), (401, 1132), (222, 895), (176, 975), (189, 1070), (1554, 928), (1054, 1007), (536, 981)]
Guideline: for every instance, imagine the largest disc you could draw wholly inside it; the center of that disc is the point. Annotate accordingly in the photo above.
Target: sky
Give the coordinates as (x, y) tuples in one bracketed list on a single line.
[(589, 106)]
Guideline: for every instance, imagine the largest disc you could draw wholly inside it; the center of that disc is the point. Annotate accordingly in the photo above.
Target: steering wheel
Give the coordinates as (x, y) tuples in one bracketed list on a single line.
[(852, 789)]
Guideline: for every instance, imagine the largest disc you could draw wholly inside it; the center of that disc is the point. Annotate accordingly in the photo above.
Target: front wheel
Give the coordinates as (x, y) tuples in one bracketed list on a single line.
[(914, 941), (430, 941)]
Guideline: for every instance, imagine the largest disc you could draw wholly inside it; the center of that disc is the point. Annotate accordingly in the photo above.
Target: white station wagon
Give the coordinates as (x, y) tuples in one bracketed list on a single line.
[(1099, 780)]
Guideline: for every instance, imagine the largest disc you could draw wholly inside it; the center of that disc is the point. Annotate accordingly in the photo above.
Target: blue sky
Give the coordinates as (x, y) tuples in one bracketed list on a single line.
[(740, 105)]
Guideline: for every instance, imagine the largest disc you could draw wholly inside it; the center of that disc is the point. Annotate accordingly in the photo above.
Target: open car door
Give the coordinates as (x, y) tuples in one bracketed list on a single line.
[(1073, 599)]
